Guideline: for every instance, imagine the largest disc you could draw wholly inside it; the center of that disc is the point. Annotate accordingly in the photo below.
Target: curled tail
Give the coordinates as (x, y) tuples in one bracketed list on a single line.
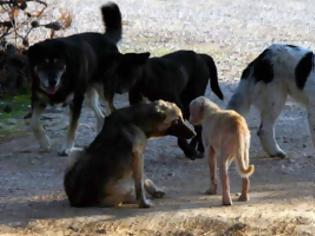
[(242, 159), (241, 99), (214, 83), (112, 21)]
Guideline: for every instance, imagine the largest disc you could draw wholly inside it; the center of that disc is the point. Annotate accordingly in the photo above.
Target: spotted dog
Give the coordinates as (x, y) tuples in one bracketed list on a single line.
[(278, 72)]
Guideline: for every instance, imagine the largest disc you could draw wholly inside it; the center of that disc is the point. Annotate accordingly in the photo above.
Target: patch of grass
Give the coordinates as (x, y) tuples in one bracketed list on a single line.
[(12, 123), (19, 105)]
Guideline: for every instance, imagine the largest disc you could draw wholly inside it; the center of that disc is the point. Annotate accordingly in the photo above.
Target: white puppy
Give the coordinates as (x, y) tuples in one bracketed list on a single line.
[(225, 136), (279, 71)]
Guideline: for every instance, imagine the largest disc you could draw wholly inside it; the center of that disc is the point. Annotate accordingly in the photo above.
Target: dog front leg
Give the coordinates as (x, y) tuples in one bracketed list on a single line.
[(75, 110), (137, 168), (212, 162), (39, 132)]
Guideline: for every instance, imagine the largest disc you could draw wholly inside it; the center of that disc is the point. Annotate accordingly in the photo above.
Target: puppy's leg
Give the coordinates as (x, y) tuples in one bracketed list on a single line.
[(245, 180), (75, 110), (212, 162), (94, 104), (225, 181), (39, 132), (137, 168), (152, 189), (245, 189), (270, 109)]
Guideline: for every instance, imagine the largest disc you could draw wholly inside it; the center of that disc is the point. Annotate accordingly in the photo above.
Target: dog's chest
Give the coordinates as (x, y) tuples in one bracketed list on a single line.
[(58, 99)]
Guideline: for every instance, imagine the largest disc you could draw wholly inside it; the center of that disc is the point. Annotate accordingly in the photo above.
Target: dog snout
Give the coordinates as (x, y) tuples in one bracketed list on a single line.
[(181, 129)]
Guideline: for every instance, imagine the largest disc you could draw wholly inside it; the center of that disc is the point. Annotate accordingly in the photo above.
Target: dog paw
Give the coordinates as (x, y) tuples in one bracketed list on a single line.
[(227, 203), (194, 156), (211, 191), (227, 200), (44, 144), (158, 194), (243, 198), (279, 154), (65, 152), (146, 203)]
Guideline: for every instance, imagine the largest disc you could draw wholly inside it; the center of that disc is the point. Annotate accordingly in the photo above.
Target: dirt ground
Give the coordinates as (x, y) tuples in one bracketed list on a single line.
[(32, 200)]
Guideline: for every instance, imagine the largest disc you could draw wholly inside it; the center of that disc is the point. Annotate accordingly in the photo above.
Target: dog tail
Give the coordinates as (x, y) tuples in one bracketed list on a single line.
[(112, 21), (242, 159), (214, 83), (241, 99)]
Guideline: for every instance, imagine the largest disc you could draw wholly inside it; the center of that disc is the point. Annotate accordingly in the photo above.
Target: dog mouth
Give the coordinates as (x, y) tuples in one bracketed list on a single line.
[(181, 129), (52, 90)]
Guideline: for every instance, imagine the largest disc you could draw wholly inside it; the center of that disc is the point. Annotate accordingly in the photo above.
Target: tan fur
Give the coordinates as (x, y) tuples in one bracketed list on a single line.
[(225, 136)]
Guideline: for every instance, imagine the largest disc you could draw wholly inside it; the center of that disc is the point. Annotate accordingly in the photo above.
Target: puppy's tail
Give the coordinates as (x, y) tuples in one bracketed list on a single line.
[(242, 159), (112, 21), (214, 83), (241, 99)]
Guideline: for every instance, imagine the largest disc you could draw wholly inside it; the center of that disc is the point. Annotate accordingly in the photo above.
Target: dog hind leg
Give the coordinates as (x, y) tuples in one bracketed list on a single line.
[(270, 107), (94, 104), (225, 181), (212, 162)]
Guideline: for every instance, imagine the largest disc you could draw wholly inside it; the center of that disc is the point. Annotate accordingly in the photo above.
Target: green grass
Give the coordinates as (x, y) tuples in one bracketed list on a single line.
[(10, 128)]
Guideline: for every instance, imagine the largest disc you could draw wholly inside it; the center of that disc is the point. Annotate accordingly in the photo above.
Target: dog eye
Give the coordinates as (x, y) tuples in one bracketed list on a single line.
[(46, 60)]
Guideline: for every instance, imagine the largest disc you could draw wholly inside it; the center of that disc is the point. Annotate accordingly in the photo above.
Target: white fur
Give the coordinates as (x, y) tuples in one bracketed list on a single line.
[(270, 98)]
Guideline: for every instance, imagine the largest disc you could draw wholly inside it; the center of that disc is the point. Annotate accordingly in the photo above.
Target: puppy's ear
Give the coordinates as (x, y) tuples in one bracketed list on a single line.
[(202, 107)]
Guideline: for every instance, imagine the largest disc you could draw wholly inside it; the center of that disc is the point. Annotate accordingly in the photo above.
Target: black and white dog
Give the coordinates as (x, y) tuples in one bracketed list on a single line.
[(279, 71), (177, 77), (64, 70)]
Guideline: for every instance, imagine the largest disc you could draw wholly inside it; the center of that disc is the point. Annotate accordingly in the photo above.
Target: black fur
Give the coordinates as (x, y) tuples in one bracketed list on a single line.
[(177, 77), (108, 158), (303, 69), (261, 68), (85, 55)]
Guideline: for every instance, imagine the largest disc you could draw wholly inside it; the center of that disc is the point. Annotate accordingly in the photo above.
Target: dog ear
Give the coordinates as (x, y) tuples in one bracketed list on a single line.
[(137, 58), (142, 57), (159, 113)]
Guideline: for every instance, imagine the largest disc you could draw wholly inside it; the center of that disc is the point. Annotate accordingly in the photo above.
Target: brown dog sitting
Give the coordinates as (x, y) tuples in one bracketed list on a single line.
[(108, 171), (225, 135)]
